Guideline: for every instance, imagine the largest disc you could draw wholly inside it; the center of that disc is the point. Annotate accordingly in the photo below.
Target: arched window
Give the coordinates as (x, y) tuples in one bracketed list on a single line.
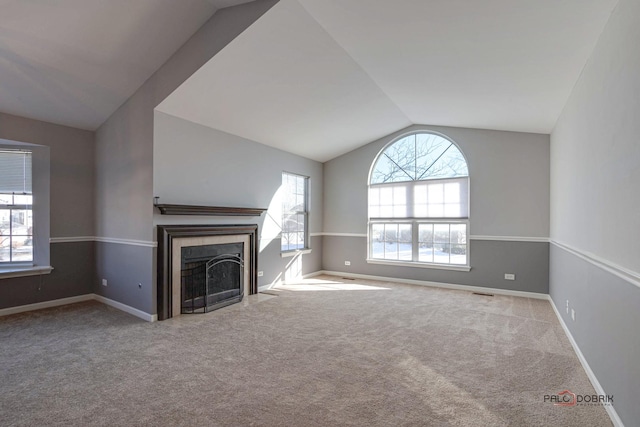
[(419, 202)]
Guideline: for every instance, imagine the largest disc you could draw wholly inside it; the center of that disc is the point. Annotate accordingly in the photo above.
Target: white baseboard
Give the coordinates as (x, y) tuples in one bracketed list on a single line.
[(80, 298), (45, 304), (438, 285), (615, 419), (127, 309)]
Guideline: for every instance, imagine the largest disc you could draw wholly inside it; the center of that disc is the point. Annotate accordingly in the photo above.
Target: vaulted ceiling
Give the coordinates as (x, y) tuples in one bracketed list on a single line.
[(321, 77), (316, 78), (74, 62)]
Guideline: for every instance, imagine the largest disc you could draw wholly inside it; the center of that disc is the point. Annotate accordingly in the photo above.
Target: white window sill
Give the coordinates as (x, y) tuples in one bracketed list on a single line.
[(420, 265), (289, 254), (15, 271)]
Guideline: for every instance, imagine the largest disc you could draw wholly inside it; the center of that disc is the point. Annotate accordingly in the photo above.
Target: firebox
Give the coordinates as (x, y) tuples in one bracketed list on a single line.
[(211, 277)]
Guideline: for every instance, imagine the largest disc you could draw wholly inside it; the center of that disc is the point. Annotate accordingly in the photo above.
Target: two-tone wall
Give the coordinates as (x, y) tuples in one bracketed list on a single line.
[(197, 165), (126, 246), (70, 223), (509, 211), (595, 205)]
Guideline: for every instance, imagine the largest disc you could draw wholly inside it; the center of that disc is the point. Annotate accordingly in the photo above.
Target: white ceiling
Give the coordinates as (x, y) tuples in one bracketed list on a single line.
[(319, 78), (74, 62)]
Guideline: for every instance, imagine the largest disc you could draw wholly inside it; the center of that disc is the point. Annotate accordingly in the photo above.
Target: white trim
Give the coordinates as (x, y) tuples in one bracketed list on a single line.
[(452, 267), (342, 234), (511, 238), (45, 304), (615, 419), (127, 309), (72, 239), (132, 242), (630, 276), (318, 234), (291, 254), (496, 291), (492, 238), (15, 271), (80, 298)]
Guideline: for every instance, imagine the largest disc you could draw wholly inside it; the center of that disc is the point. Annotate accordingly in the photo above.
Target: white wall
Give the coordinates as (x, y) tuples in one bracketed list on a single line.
[(595, 151)]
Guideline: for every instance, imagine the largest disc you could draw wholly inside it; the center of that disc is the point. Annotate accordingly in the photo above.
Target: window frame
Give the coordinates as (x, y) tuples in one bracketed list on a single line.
[(410, 212), (305, 247), (41, 177), (11, 206)]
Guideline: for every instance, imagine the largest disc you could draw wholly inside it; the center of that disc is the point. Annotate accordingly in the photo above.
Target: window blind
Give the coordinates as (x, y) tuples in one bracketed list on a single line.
[(15, 171)]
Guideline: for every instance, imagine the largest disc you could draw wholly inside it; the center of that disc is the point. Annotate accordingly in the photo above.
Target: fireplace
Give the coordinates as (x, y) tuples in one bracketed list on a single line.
[(205, 267)]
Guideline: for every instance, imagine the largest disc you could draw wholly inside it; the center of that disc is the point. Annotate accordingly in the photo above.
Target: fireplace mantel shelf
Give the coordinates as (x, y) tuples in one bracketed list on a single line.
[(166, 209)]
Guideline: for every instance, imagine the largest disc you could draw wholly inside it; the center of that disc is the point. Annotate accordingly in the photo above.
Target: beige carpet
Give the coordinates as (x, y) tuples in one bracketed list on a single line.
[(329, 352)]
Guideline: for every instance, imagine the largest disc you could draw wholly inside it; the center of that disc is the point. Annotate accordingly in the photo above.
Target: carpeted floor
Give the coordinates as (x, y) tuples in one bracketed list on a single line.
[(329, 352)]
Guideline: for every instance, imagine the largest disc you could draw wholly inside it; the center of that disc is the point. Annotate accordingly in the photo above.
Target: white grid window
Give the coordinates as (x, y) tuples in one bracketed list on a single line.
[(295, 212), (16, 213), (419, 202)]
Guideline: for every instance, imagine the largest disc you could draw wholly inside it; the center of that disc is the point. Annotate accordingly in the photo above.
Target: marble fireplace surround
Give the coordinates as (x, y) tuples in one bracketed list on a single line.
[(171, 238)]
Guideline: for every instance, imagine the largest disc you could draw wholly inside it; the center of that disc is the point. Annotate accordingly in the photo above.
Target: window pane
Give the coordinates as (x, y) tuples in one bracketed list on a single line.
[(391, 250), (403, 154), (452, 192), (452, 210), (436, 211), (425, 233), (405, 251), (441, 253), (441, 233), (377, 231), (458, 254), (405, 233), (21, 222), (425, 253), (459, 233), (377, 249), (420, 194), (386, 196), (374, 196), (428, 148), (387, 171), (391, 232), (451, 164), (436, 193)]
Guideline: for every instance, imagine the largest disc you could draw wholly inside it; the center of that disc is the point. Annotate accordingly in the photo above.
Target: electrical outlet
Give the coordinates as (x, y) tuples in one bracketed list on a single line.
[(104, 282), (260, 273), (567, 306), (347, 263), (508, 276), (573, 315)]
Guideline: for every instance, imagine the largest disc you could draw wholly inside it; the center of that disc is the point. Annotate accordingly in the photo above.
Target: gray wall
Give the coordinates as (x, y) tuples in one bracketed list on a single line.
[(509, 197), (194, 164), (71, 211), (124, 157), (489, 260), (595, 202), (503, 166)]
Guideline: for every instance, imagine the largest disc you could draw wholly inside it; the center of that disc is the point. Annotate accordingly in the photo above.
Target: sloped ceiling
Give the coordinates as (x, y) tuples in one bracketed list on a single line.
[(319, 78), (74, 62)]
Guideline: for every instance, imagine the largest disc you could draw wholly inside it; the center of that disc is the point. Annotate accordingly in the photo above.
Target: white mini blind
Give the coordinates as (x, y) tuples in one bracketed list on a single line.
[(15, 171)]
